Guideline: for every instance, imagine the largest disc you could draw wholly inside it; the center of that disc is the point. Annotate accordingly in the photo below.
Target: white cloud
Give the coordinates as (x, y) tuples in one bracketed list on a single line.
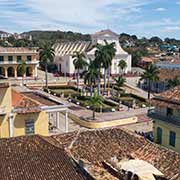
[(172, 28), (160, 9), (84, 15)]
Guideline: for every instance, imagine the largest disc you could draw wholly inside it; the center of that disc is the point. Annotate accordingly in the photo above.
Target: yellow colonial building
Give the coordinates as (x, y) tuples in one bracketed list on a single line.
[(28, 113), (166, 118), (11, 58)]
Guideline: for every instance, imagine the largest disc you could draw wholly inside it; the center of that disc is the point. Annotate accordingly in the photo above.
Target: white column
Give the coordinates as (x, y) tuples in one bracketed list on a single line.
[(58, 120), (66, 121), (11, 125), (35, 71)]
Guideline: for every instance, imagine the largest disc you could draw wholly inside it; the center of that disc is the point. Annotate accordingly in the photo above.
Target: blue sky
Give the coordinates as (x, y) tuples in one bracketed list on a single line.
[(140, 17)]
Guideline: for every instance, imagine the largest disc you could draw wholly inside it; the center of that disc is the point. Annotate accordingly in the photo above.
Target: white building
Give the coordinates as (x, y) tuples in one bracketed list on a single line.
[(4, 35), (65, 51)]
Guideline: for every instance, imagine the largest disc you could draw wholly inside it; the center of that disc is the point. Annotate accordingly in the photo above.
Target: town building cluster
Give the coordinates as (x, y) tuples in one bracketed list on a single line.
[(36, 142)]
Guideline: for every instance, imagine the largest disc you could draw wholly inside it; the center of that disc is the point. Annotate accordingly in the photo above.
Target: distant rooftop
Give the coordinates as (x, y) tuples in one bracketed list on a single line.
[(167, 74), (68, 48), (170, 98), (104, 32), (28, 102)]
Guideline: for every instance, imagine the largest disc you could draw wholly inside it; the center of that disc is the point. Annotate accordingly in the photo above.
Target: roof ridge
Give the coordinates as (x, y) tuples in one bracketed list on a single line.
[(73, 141), (50, 140), (35, 101)]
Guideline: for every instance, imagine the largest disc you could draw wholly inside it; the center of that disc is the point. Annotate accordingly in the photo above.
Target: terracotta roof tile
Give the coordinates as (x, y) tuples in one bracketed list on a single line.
[(33, 158), (172, 95), (23, 104), (44, 157), (167, 74), (98, 146)]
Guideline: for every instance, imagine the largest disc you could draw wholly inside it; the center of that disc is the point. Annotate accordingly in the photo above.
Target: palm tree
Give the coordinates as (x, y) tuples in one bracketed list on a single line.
[(112, 52), (22, 70), (90, 76), (123, 65), (98, 63), (150, 75), (103, 58), (47, 54), (174, 82), (120, 81), (79, 63), (95, 101)]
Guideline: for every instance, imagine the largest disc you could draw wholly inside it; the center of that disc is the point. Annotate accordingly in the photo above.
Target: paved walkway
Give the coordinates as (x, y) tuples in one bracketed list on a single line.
[(84, 113), (131, 83)]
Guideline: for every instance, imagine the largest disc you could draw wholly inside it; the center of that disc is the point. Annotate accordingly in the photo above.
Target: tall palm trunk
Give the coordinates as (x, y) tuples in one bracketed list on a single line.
[(78, 79), (46, 75), (91, 89), (105, 73), (149, 88), (23, 76), (94, 113), (99, 83), (109, 74)]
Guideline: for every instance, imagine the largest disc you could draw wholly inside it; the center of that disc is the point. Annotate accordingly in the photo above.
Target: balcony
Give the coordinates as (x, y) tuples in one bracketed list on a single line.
[(2, 110), (169, 119), (15, 62)]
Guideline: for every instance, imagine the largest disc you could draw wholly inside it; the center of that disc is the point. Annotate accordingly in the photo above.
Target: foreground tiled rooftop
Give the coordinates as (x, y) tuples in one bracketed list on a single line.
[(33, 158), (44, 157), (98, 146)]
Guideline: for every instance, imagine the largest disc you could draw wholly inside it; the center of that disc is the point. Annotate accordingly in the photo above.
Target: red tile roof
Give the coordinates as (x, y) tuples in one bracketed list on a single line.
[(167, 74), (44, 157), (33, 158), (30, 101), (23, 103), (98, 146), (169, 96)]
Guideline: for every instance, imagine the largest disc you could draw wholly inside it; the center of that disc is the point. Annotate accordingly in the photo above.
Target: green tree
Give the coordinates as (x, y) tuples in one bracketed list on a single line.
[(150, 75), (79, 63), (47, 54), (95, 101), (98, 63), (103, 59), (120, 81), (122, 65), (174, 82), (112, 52), (90, 76), (22, 70)]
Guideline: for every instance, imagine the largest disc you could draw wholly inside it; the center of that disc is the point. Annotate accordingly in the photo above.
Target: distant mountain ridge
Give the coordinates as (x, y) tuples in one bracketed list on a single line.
[(4, 32), (58, 35)]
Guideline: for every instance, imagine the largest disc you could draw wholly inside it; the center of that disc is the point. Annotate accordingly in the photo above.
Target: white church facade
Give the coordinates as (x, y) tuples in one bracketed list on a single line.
[(64, 52)]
